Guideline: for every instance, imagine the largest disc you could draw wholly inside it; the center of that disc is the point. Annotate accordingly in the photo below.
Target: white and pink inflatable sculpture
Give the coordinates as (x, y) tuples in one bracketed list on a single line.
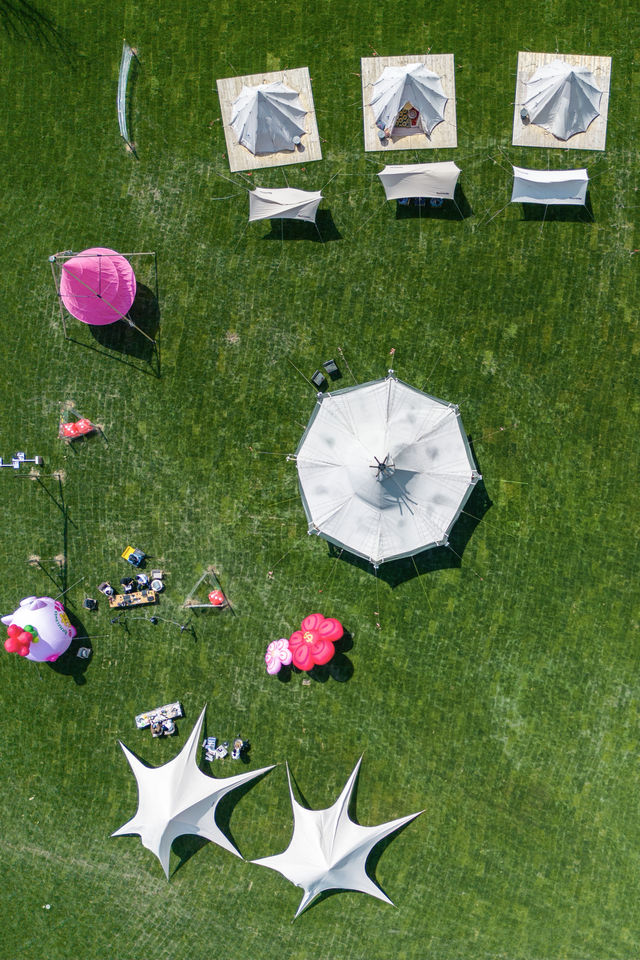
[(39, 629)]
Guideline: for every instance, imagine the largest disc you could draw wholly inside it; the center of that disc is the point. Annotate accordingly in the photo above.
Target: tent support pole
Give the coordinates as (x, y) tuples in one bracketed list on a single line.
[(498, 213), (130, 323), (546, 207), (64, 323), (301, 373)]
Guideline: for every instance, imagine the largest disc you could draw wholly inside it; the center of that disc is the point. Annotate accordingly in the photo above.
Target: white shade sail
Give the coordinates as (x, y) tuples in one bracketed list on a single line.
[(266, 118), (384, 469), (420, 180), (178, 798), (412, 83), (562, 98), (328, 851), (284, 203), (549, 186)]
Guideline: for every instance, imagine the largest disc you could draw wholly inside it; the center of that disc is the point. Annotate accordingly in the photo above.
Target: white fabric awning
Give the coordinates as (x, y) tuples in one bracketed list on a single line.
[(285, 203), (177, 798), (329, 850), (549, 186), (384, 469), (420, 180)]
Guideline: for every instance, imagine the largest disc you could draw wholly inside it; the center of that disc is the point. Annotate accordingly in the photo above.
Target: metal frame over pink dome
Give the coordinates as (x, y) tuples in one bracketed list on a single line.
[(97, 286)]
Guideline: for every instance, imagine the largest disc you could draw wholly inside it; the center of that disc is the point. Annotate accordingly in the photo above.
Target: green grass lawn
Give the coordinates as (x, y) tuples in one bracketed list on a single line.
[(499, 692)]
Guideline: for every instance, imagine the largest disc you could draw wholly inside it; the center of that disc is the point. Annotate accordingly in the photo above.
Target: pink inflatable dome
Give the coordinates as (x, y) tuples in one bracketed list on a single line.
[(98, 286)]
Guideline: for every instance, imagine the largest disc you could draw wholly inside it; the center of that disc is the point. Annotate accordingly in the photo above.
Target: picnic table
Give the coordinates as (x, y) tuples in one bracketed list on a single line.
[(134, 599), (169, 712)]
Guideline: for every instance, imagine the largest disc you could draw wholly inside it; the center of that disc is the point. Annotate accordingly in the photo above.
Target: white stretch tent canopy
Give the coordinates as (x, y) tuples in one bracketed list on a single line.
[(266, 118), (420, 180), (549, 186), (283, 204), (178, 798), (328, 851), (562, 98), (412, 83), (384, 469)]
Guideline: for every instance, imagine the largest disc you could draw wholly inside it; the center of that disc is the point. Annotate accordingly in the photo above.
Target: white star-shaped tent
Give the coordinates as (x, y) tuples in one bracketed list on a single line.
[(178, 798), (328, 851)]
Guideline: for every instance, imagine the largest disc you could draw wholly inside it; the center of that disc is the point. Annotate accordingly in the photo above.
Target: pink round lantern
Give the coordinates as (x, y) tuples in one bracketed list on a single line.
[(97, 286)]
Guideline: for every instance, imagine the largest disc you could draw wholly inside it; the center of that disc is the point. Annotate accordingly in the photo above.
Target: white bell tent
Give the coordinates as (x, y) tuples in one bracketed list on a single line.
[(550, 187), (412, 84), (328, 850), (384, 469), (562, 98), (178, 798), (268, 118), (285, 203), (402, 180)]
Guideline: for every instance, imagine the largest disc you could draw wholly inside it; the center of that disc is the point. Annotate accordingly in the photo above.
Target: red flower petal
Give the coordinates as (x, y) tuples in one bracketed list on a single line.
[(312, 622), (302, 657), (322, 651), (295, 639), (330, 629)]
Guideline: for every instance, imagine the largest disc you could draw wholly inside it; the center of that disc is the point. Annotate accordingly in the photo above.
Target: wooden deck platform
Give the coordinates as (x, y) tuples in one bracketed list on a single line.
[(530, 135), (444, 135), (242, 159)]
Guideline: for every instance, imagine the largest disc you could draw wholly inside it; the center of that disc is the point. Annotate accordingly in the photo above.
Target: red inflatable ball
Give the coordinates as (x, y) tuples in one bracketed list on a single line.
[(314, 642), (217, 598)]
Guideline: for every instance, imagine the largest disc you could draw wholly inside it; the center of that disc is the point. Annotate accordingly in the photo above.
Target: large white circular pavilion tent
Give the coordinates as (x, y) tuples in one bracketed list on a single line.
[(384, 469)]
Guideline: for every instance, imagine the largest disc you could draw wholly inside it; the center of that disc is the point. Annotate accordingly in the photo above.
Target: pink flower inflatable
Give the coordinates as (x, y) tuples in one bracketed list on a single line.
[(313, 643), (277, 655)]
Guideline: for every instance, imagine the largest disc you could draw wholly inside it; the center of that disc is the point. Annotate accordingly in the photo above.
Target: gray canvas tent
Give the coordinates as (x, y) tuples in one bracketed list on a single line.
[(410, 84), (267, 118), (562, 98)]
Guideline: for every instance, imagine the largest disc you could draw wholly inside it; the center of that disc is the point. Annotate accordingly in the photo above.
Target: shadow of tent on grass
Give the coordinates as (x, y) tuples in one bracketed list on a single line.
[(560, 213), (70, 664), (447, 210), (397, 572), (326, 231)]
